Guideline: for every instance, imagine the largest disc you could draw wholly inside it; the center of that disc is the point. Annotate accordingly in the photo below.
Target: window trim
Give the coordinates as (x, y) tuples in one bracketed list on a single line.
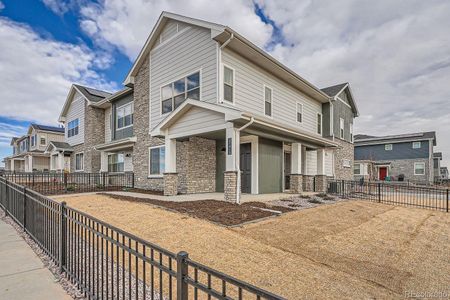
[(420, 145), (118, 153), (321, 124), (117, 115), (264, 100), (40, 141), (341, 128), (79, 170), (171, 82), (421, 163), (149, 162), (386, 147), (222, 83), (68, 129), (351, 133), (359, 164), (296, 112)]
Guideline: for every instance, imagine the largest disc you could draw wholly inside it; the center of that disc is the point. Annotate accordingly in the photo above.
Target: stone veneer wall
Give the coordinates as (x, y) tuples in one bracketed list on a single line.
[(296, 183), (308, 183), (230, 188), (406, 167), (345, 151)]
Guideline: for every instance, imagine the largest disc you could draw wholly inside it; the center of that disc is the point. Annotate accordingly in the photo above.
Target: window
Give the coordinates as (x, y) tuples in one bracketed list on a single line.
[(79, 162), (299, 112), (228, 84), (267, 101), (388, 147), (33, 140), (43, 141), (351, 132), (341, 128), (124, 116), (419, 168), (416, 145), (319, 123), (357, 169), (157, 160), (173, 94), (72, 128), (116, 162)]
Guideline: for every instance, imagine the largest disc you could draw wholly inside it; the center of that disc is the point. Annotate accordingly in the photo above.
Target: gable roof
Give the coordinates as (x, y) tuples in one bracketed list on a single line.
[(222, 34), (59, 146), (361, 139), (46, 128), (335, 90), (13, 140)]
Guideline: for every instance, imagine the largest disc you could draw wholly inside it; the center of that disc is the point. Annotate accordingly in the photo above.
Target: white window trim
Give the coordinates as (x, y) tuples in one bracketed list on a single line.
[(360, 169), (222, 93), (79, 170), (420, 145), (424, 171), (341, 128), (68, 129), (172, 81), (321, 124), (45, 141), (117, 116), (109, 154), (296, 112), (149, 163), (391, 147), (264, 100), (352, 137)]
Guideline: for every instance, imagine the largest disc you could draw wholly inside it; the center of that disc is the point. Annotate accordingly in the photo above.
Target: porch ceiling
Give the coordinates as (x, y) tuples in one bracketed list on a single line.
[(122, 144)]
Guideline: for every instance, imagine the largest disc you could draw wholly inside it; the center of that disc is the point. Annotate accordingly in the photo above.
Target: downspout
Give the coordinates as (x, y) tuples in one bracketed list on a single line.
[(219, 61), (237, 166)]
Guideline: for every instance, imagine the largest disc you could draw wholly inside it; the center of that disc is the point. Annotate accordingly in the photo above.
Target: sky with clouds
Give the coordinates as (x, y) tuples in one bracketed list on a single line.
[(395, 54)]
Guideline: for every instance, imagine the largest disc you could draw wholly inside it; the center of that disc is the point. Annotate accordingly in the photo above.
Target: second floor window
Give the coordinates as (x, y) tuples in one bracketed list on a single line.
[(267, 101), (73, 128), (33, 140), (319, 123), (173, 94), (124, 116), (228, 84), (341, 128), (416, 145), (43, 142), (299, 113)]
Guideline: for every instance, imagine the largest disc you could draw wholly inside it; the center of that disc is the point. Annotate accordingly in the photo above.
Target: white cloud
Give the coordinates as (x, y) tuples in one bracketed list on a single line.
[(127, 24), (2, 6), (38, 72), (8, 131)]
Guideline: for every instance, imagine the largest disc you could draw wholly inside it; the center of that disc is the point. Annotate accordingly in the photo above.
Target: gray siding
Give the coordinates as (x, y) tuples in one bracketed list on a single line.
[(399, 151), (326, 120), (76, 111), (341, 110), (197, 118), (190, 51), (270, 166), (122, 133)]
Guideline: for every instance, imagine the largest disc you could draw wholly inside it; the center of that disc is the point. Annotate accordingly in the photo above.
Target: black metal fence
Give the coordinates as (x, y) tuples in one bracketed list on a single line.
[(106, 262), (60, 183), (390, 193)]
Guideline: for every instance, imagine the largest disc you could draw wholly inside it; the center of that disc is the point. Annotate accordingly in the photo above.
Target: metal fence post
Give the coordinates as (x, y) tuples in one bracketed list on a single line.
[(132, 180), (62, 237), (343, 188), (379, 192), (447, 202), (182, 273), (24, 208), (6, 198), (65, 181)]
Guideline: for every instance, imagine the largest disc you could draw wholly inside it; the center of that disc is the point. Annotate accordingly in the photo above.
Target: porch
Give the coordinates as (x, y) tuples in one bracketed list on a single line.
[(117, 156)]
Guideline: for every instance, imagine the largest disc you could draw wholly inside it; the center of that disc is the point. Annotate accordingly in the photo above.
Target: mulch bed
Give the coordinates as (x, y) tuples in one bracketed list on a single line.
[(225, 213)]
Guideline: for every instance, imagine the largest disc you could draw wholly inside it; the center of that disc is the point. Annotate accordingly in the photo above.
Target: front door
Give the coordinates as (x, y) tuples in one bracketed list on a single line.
[(382, 173), (287, 170), (246, 167)]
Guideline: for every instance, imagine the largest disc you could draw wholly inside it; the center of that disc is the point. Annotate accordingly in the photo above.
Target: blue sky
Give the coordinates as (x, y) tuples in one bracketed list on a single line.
[(398, 71)]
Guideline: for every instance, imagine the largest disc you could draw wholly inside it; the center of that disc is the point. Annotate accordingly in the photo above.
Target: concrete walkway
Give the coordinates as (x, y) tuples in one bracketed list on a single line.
[(22, 273)]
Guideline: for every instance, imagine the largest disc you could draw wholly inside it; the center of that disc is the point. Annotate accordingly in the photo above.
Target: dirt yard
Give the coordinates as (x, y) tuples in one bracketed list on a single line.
[(351, 249)]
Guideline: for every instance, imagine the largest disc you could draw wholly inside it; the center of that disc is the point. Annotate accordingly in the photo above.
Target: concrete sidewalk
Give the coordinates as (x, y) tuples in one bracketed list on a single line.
[(22, 273)]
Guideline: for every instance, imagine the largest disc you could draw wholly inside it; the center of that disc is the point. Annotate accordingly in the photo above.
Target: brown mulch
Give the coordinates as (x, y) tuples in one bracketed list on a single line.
[(142, 191), (225, 213)]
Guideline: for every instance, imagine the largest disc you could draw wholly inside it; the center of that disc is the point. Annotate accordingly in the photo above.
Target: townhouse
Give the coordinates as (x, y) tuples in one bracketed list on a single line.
[(29, 150), (396, 157)]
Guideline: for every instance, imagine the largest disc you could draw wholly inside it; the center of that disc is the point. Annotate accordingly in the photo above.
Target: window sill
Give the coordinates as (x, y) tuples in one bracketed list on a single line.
[(155, 176)]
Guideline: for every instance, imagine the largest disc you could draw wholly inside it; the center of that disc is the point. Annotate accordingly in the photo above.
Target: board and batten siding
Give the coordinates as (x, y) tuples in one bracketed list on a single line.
[(311, 163), (188, 51), (197, 118), (249, 94), (76, 111), (108, 125)]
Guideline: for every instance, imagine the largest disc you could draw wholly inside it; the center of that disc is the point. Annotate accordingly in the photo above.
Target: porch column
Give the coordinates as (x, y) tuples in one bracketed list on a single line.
[(321, 177), (170, 172), (103, 161), (232, 180), (30, 163), (296, 184), (12, 164), (60, 161)]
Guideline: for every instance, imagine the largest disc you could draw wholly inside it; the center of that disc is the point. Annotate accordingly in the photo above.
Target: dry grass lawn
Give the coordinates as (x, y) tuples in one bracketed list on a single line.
[(353, 249)]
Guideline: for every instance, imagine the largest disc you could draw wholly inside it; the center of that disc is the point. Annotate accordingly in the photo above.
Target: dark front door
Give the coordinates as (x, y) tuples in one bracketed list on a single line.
[(246, 168), (287, 170)]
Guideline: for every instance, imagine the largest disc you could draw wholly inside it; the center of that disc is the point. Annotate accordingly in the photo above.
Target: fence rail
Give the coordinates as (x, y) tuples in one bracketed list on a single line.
[(60, 183), (105, 262), (390, 193)]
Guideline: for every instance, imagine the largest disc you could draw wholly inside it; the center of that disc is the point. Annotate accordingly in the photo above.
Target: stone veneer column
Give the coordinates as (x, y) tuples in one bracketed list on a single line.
[(230, 186), (296, 184), (321, 183), (170, 184)]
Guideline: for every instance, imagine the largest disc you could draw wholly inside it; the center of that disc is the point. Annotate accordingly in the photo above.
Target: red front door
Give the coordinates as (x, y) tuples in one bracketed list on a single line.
[(382, 173)]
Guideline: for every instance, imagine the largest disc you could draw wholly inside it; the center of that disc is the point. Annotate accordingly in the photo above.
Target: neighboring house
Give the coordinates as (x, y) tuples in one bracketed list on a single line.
[(208, 111), (84, 117), (437, 158), (29, 150), (338, 117), (444, 173), (398, 157)]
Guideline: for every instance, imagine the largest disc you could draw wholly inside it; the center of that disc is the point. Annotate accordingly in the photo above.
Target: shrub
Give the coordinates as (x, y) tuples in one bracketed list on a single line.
[(315, 201), (321, 195), (328, 198), (71, 188), (305, 196)]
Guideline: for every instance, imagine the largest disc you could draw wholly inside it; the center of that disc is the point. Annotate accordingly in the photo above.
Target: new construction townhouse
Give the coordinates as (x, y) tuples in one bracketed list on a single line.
[(28, 151), (405, 157)]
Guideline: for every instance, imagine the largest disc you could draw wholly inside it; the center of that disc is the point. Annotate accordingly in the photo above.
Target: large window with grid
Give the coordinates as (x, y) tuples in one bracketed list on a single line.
[(157, 160), (116, 162), (73, 128), (124, 116), (175, 93)]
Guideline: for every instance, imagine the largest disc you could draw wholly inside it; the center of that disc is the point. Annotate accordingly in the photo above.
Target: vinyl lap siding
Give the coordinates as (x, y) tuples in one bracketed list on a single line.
[(76, 111), (249, 94), (329, 163), (190, 51), (108, 125), (311, 162), (197, 118), (399, 151)]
